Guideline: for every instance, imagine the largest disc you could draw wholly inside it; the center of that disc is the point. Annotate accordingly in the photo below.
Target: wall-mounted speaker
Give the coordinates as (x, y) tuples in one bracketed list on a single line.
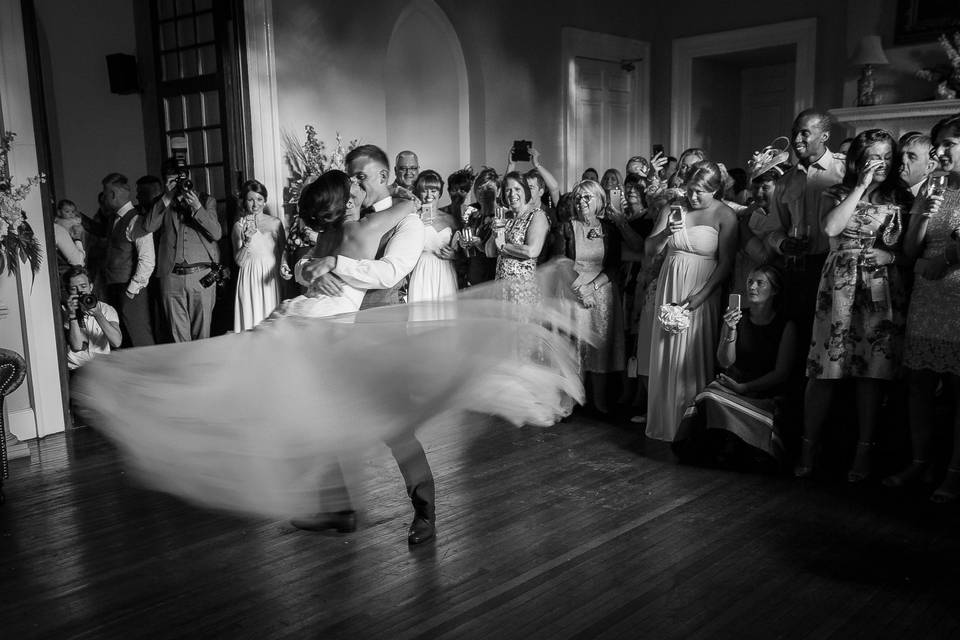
[(122, 70)]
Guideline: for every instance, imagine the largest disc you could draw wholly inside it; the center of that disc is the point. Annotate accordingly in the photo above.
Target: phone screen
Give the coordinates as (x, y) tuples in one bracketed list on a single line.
[(734, 302), (676, 214)]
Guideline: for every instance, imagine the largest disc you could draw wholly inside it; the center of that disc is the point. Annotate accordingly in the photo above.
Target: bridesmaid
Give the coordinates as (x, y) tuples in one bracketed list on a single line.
[(701, 244), (434, 277), (258, 244)]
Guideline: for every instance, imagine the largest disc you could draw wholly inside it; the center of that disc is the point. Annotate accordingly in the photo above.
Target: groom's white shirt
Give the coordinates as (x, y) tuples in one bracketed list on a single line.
[(400, 256)]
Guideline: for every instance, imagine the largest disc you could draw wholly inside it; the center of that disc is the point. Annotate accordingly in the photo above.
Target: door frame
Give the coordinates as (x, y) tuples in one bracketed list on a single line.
[(590, 44), (801, 33)]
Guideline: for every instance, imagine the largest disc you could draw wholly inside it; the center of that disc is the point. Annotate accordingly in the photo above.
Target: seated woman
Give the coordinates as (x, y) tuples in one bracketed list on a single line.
[(738, 412), (330, 206), (435, 276)]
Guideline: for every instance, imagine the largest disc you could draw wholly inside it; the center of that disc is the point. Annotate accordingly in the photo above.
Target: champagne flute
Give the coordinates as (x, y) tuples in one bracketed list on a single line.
[(866, 239), (797, 261), (938, 184)]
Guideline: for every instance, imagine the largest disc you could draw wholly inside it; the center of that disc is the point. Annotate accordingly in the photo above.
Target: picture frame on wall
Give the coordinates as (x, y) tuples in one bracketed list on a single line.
[(925, 20)]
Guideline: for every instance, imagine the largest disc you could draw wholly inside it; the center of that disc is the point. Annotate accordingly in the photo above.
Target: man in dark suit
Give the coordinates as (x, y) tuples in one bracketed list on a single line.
[(187, 251)]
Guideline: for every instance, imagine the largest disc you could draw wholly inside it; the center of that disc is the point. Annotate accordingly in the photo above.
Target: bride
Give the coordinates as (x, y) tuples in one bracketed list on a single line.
[(330, 205), (252, 421)]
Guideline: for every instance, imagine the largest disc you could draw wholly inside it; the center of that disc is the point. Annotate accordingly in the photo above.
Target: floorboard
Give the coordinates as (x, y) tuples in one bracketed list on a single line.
[(583, 530)]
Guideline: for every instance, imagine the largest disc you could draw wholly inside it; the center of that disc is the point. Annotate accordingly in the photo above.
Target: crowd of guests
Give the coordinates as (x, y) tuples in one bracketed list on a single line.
[(733, 312)]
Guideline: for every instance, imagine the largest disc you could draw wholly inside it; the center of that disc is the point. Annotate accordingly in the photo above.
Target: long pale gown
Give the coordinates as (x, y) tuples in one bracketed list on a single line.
[(257, 282), (682, 364)]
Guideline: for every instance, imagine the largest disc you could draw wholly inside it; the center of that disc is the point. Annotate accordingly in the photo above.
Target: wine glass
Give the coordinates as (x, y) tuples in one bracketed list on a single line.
[(798, 261), (938, 184)]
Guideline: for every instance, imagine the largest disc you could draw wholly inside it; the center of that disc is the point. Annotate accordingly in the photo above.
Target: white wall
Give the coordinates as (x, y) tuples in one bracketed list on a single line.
[(92, 131)]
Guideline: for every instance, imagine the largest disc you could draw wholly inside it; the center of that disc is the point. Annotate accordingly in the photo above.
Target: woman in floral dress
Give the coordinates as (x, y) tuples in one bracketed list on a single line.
[(861, 304), (932, 346), (517, 242)]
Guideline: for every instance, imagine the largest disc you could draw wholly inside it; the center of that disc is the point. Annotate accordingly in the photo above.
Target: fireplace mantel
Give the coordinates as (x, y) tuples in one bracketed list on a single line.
[(895, 118)]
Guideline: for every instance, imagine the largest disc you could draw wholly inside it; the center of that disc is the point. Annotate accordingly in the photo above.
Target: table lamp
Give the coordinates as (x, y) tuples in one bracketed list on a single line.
[(869, 53)]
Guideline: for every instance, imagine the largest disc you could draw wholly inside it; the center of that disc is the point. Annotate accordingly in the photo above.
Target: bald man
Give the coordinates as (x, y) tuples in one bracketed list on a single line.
[(406, 170)]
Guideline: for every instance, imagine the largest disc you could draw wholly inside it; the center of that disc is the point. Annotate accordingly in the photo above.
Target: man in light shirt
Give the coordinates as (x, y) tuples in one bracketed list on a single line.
[(129, 262), (800, 208), (90, 332), (400, 249), (916, 163)]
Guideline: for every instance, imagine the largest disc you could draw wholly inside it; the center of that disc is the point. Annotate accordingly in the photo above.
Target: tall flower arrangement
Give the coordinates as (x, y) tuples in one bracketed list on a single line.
[(307, 161), (17, 240), (946, 76)]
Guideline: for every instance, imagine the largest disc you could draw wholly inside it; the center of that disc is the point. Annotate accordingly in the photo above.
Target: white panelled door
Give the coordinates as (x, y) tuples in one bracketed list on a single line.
[(605, 133)]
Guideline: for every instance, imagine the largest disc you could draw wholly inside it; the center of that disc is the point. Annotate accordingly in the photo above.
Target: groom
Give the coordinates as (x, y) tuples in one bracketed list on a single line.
[(399, 252)]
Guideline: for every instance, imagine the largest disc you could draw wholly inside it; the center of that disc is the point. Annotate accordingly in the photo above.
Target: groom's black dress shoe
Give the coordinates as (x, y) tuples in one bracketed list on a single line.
[(342, 521), (421, 530)]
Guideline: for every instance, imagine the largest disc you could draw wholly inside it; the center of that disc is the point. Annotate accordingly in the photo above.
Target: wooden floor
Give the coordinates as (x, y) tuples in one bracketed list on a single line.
[(570, 532)]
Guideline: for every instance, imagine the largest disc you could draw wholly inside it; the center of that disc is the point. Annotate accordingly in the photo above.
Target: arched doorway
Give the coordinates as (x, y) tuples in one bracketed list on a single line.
[(425, 79)]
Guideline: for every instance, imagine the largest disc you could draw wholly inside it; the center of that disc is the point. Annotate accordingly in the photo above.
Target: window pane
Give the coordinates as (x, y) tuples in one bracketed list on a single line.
[(208, 59), (165, 8), (185, 34), (168, 36), (214, 151), (184, 7), (174, 112), (170, 69), (215, 180), (211, 108), (195, 150), (188, 63), (203, 4), (205, 28), (194, 110)]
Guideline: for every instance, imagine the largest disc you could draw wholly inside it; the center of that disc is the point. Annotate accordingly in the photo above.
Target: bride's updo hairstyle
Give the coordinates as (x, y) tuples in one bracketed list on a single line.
[(707, 176), (323, 202)]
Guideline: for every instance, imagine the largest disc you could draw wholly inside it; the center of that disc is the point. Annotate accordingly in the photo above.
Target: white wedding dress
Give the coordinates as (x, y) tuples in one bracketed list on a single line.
[(322, 306), (253, 421)]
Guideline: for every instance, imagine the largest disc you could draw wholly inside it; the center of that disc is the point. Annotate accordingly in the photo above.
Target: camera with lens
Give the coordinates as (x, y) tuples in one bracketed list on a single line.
[(87, 301), (218, 275), (183, 181)]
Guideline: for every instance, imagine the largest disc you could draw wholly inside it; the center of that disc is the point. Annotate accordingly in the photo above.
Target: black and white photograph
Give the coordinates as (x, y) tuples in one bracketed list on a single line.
[(422, 319)]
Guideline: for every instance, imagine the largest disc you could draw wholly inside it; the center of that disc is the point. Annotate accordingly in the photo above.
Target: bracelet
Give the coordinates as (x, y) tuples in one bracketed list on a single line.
[(732, 338), (596, 286)]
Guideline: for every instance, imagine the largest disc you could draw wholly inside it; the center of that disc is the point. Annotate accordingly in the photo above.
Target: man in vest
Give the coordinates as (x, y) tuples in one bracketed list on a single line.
[(128, 264), (186, 252)]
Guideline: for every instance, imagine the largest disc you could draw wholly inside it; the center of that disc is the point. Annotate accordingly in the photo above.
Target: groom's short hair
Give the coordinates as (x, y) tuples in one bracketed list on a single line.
[(369, 151)]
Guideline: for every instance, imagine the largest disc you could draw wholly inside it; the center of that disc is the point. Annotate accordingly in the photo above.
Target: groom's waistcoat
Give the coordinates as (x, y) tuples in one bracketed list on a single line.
[(383, 297)]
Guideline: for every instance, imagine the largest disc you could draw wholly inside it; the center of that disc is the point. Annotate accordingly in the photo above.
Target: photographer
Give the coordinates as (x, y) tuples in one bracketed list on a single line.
[(188, 259), (92, 327)]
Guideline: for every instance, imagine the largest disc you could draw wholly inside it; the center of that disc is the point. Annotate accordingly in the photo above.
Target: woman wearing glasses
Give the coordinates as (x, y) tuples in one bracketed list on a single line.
[(593, 243)]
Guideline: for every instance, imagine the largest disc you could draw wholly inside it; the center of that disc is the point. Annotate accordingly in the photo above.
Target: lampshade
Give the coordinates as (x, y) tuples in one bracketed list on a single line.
[(870, 51)]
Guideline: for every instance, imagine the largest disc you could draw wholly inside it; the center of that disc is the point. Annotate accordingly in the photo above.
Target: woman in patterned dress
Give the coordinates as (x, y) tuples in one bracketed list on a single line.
[(932, 346), (861, 303), (517, 242), (593, 243)]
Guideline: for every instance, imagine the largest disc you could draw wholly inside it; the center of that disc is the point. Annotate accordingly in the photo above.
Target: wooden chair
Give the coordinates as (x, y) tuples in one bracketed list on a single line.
[(13, 369)]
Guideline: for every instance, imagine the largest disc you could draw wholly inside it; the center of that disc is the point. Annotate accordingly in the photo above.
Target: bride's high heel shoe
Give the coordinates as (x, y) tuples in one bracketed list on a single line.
[(808, 454), (862, 466)]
